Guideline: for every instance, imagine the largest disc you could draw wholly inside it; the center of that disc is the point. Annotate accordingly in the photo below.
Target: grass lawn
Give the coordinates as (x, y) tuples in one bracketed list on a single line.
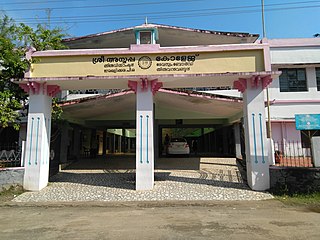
[(311, 201)]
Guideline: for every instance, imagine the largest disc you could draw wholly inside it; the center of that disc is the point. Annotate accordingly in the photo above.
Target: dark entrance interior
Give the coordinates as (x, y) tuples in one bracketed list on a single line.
[(203, 140)]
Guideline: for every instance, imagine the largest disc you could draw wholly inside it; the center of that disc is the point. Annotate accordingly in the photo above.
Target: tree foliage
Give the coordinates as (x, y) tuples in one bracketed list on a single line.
[(12, 61), (42, 38), (15, 40), (8, 109), (56, 110)]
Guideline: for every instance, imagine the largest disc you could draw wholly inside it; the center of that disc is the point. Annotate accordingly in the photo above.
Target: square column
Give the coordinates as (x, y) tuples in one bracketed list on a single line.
[(64, 142), (144, 140), (144, 132), (237, 140), (129, 144), (37, 151), (255, 131), (76, 142), (119, 143), (104, 143)]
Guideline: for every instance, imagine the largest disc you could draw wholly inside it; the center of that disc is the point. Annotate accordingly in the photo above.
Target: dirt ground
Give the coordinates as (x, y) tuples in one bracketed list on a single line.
[(159, 220)]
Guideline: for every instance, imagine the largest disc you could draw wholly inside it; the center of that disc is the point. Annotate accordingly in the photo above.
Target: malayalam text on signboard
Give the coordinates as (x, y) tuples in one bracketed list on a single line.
[(175, 63)]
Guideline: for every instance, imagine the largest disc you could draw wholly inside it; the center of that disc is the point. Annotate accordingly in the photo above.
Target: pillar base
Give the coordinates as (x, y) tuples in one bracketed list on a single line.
[(258, 176)]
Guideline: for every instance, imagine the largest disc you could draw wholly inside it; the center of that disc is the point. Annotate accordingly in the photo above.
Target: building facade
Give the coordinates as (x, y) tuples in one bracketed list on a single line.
[(295, 91), (156, 67)]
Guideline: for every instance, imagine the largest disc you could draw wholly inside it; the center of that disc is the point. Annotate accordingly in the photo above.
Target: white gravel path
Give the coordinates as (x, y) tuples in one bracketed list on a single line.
[(214, 182)]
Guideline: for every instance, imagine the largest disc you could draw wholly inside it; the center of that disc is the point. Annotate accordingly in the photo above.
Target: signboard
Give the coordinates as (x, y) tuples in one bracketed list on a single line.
[(307, 121), (148, 64)]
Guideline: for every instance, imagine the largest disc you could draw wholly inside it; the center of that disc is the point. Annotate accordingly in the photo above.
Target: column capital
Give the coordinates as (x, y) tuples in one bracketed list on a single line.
[(242, 84), (155, 86), (36, 88), (144, 84)]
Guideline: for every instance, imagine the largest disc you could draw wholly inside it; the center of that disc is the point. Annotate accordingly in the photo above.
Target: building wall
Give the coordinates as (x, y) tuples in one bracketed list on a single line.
[(290, 53), (285, 131), (287, 139), (296, 54), (294, 180), (312, 93), (284, 105), (11, 177)]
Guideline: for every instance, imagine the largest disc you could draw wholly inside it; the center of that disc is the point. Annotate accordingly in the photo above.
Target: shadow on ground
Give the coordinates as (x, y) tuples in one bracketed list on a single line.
[(123, 162), (127, 180), (119, 172)]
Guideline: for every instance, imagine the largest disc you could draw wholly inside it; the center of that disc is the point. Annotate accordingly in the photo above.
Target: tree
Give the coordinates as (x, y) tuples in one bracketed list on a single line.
[(12, 66), (317, 35), (14, 42), (8, 109), (42, 38)]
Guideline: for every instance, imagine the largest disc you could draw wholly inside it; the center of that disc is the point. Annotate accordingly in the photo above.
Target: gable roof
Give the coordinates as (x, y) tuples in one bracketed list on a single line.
[(168, 36)]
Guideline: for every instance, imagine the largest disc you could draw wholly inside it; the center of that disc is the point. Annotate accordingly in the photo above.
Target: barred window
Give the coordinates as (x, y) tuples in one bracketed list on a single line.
[(318, 78), (293, 80)]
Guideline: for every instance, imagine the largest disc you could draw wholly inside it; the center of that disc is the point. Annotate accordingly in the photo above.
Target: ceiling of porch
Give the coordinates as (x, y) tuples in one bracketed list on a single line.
[(169, 104)]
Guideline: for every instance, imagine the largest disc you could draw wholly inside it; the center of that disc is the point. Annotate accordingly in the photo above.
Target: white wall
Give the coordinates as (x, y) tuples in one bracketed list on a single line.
[(229, 93), (311, 94), (295, 55), (78, 96), (284, 105), (286, 111)]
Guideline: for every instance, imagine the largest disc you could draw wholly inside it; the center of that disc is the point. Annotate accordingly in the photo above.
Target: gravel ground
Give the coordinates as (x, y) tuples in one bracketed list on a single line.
[(213, 181)]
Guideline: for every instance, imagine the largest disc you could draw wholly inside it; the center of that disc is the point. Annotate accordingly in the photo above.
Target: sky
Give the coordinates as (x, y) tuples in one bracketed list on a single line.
[(283, 18)]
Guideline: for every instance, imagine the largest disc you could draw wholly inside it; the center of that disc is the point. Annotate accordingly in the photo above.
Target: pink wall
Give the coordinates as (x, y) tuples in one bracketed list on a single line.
[(285, 131), (287, 139)]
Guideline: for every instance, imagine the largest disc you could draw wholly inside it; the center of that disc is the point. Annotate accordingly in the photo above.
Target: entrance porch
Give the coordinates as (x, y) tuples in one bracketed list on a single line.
[(145, 70), (113, 179)]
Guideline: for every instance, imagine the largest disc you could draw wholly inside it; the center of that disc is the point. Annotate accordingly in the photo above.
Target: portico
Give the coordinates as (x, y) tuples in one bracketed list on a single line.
[(144, 69)]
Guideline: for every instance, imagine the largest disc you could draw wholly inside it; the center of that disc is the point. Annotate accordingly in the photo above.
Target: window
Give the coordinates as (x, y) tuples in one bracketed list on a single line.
[(145, 37), (318, 78), (293, 80)]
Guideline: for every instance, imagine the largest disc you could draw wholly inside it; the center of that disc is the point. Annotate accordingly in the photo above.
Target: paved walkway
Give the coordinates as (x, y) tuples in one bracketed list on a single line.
[(198, 179)]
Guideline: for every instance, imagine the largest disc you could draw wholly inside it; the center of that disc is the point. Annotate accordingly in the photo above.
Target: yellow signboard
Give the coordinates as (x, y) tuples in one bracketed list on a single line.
[(149, 64)]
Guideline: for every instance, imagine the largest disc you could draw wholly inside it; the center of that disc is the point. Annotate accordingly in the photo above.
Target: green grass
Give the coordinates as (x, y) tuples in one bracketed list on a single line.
[(311, 201)]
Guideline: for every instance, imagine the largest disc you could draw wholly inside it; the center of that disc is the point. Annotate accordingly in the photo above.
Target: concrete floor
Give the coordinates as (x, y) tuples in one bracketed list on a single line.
[(176, 179), (122, 162)]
